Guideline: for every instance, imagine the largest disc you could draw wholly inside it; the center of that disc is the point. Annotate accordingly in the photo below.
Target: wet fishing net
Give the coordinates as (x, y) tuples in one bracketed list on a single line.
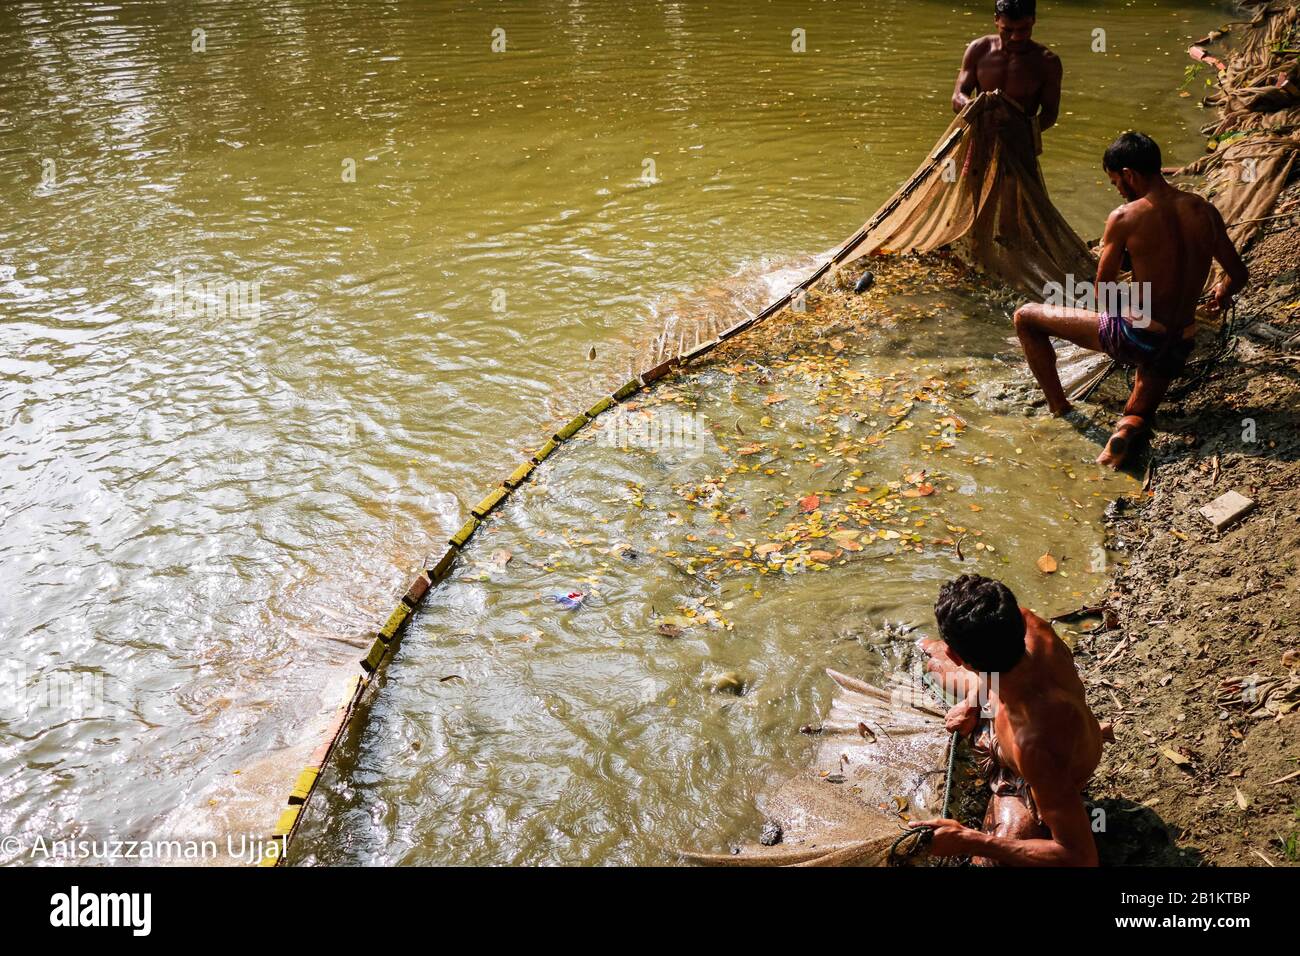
[(978, 196), (981, 194), (879, 762), (619, 666), (643, 597), (1257, 133)]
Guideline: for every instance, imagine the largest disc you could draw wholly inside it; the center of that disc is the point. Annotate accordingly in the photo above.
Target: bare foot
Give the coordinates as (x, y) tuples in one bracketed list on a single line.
[(1117, 449)]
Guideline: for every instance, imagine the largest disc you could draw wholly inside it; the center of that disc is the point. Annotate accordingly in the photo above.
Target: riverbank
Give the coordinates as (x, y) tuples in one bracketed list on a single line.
[(1200, 772), (1200, 666)]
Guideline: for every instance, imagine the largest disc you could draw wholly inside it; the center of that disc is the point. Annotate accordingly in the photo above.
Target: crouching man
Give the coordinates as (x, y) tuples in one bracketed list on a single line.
[(1040, 744), (1171, 238)]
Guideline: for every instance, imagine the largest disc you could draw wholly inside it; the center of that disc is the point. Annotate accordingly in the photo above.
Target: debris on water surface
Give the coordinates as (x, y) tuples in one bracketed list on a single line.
[(771, 834), (728, 683), (865, 282), (570, 601)]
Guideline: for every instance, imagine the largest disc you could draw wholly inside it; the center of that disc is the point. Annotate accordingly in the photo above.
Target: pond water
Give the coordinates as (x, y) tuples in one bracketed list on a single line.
[(417, 243)]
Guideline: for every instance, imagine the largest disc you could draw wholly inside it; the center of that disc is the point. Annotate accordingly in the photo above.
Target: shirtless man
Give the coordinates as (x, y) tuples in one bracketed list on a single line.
[(1042, 743), (1171, 237), (1010, 61)]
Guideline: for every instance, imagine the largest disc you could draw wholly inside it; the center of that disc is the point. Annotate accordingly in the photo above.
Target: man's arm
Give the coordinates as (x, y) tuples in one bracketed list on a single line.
[(964, 716), (1071, 844), (1065, 815), (1051, 99), (1113, 242), (1060, 808), (1235, 273), (967, 82)]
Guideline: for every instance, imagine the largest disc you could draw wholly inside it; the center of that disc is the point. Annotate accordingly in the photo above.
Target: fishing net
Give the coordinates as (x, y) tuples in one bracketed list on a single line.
[(981, 193), (979, 196), (833, 394), (879, 762), (1255, 138), (976, 210)]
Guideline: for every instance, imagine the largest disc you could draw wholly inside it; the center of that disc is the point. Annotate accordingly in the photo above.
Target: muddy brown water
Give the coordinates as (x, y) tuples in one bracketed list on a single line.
[(201, 514), (744, 527)]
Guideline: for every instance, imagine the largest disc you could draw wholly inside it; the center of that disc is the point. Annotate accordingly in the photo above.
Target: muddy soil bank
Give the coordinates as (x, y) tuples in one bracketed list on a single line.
[(1200, 667)]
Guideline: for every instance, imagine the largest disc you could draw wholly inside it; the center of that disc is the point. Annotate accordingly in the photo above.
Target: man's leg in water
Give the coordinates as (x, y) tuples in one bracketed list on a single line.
[(1148, 391), (1035, 325)]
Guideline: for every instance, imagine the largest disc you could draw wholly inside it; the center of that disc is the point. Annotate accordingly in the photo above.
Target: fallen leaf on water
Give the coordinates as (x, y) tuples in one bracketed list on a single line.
[(753, 449), (920, 491), (766, 549), (975, 507), (670, 630), (821, 556), (810, 503), (774, 399), (1047, 564)]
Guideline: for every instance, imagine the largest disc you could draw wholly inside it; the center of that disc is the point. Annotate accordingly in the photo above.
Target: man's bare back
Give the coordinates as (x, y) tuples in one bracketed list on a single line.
[(1172, 238), (1053, 728), (1169, 238), (1010, 61)]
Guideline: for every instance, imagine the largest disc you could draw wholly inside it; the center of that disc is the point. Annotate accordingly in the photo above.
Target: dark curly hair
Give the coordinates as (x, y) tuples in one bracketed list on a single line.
[(980, 619), (1014, 9), (1135, 151)]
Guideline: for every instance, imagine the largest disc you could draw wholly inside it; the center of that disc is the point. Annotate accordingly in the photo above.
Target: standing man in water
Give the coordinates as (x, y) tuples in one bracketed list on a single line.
[(1040, 746), (1012, 62), (1171, 238)]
